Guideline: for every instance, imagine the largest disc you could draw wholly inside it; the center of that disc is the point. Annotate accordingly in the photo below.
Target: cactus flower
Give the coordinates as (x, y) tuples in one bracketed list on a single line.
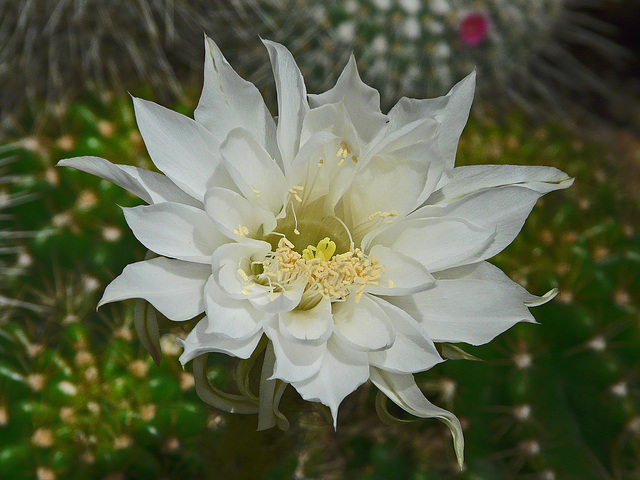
[(340, 239)]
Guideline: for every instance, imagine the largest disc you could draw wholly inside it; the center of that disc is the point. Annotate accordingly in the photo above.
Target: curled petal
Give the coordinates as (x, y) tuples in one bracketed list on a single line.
[(271, 391), (146, 325), (403, 391), (174, 287), (215, 397)]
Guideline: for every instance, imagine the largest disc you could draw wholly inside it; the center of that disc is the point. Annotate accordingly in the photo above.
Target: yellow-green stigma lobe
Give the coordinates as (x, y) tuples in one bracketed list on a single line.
[(324, 251)]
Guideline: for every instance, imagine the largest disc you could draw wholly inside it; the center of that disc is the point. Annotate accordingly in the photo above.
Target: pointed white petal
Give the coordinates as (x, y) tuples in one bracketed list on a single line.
[(469, 179), (412, 351), (363, 324), (180, 147), (308, 327), (175, 230), (402, 275), (452, 111), (342, 371), (150, 186), (403, 391), (174, 287), (471, 304), (439, 242), (231, 213), (230, 317), (361, 101), (501, 209), (199, 342), (292, 101), (295, 362), (253, 170), (228, 101)]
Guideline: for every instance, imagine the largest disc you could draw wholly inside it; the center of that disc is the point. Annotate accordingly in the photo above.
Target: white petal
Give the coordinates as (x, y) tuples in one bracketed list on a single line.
[(199, 341), (253, 170), (174, 287), (228, 101), (180, 147), (452, 111), (150, 186), (282, 301), (438, 242), (294, 361), (398, 182), (175, 230), (421, 130), (342, 371), (292, 101), (402, 275), (501, 209), (361, 101), (403, 391), (232, 212), (412, 351), (471, 304), (229, 258), (363, 324), (309, 327), (230, 317), (470, 179)]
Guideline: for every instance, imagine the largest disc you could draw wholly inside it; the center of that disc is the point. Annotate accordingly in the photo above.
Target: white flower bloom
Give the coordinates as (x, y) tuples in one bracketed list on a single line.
[(341, 237)]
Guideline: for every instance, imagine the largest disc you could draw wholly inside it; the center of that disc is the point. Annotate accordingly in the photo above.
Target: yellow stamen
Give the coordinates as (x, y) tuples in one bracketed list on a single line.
[(325, 274), (241, 230), (392, 213)]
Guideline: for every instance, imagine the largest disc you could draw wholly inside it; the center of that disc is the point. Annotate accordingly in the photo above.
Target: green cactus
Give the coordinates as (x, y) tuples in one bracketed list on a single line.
[(521, 49)]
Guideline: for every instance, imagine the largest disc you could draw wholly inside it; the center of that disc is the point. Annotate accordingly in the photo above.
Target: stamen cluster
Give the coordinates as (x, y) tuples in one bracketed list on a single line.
[(332, 279)]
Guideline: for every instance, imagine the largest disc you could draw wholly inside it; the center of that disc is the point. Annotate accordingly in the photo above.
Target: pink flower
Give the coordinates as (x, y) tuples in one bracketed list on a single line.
[(474, 28)]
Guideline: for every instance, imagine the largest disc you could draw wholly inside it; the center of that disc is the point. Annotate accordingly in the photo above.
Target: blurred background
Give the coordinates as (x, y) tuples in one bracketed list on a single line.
[(558, 84)]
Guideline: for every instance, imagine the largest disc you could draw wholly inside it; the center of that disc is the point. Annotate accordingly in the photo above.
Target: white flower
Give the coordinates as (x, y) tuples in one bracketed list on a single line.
[(343, 236)]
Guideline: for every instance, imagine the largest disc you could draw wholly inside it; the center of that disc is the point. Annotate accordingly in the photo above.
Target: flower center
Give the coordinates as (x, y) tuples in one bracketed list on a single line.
[(325, 275)]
